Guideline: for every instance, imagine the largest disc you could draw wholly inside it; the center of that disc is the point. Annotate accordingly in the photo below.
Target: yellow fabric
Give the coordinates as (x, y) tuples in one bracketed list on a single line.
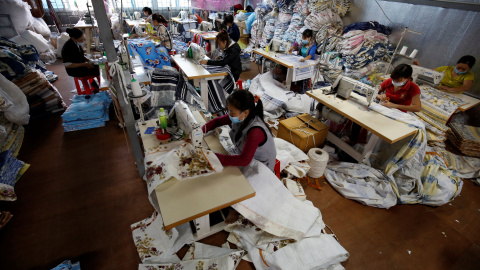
[(448, 81), (149, 29)]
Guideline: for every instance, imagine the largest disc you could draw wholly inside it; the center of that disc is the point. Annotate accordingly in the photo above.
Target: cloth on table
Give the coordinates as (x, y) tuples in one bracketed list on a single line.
[(218, 90), (419, 177), (367, 26), (361, 183), (155, 244), (339, 6), (164, 84), (87, 111), (179, 46), (151, 54), (465, 138)]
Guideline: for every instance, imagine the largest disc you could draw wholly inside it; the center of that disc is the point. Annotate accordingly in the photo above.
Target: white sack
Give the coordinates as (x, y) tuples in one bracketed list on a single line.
[(64, 37), (20, 40), (18, 111), (20, 15), (36, 40), (40, 26)]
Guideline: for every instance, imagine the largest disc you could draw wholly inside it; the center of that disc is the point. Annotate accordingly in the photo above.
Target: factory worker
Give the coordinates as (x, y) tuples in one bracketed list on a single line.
[(148, 12), (457, 78), (231, 55), (308, 46), (249, 133), (163, 35), (232, 29), (400, 92), (74, 60)]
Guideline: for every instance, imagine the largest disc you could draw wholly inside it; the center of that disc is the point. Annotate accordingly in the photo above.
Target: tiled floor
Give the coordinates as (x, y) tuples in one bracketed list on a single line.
[(82, 192)]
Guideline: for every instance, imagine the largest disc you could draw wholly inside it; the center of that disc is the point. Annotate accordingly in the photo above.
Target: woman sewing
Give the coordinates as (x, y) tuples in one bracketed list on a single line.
[(231, 56), (232, 29), (457, 78), (308, 46), (162, 36), (400, 92), (74, 60), (148, 12)]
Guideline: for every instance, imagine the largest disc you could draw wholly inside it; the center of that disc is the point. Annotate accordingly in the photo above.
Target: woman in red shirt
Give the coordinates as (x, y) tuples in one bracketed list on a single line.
[(400, 92)]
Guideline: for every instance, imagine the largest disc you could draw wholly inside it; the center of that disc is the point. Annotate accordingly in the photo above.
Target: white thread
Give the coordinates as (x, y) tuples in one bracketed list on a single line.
[(116, 68), (317, 159)]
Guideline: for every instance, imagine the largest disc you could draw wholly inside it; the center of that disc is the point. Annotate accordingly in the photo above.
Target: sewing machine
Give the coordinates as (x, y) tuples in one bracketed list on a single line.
[(345, 85), (205, 26), (277, 45), (422, 75), (187, 122), (196, 52)]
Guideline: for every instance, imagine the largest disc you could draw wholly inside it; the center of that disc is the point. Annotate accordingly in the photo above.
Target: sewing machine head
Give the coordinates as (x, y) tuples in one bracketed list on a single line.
[(422, 75), (277, 45), (187, 122), (195, 52), (345, 85), (205, 26)]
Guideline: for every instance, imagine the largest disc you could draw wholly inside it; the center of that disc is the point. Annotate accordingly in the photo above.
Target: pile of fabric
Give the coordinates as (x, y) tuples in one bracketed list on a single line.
[(282, 24), (5, 217), (437, 109), (67, 265), (339, 6), (43, 98), (151, 55), (179, 46), (465, 138), (11, 169), (87, 111)]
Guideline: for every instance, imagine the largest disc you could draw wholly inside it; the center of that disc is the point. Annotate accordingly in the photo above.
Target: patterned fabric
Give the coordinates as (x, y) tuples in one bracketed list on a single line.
[(151, 54), (465, 138), (367, 26), (315, 21), (179, 46), (87, 111), (340, 6), (461, 166), (332, 30), (218, 90), (10, 167)]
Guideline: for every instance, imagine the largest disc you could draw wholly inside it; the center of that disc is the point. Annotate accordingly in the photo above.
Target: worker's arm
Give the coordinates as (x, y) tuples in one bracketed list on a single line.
[(235, 35), (228, 58), (308, 57), (255, 137), (416, 105), (467, 84), (217, 122)]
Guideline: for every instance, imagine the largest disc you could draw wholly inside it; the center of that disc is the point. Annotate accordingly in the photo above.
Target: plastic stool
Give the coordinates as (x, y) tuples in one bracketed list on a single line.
[(87, 84), (276, 169), (239, 84)]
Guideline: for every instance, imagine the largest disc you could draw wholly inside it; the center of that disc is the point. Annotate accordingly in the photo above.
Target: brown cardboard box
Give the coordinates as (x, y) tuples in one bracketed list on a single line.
[(306, 131)]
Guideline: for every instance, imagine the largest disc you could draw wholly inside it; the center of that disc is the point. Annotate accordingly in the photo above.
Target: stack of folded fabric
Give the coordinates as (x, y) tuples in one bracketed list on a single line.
[(11, 169), (87, 111), (437, 109), (5, 216), (11, 135), (465, 138), (43, 98)]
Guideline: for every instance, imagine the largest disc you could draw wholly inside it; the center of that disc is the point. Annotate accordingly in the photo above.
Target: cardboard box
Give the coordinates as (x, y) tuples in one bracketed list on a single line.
[(306, 131)]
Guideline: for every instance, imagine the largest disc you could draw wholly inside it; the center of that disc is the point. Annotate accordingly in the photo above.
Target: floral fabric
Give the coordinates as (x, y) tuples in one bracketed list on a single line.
[(151, 54), (465, 138)]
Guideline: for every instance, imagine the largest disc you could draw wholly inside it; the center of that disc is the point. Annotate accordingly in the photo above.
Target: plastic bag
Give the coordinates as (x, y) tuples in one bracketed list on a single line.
[(18, 112)]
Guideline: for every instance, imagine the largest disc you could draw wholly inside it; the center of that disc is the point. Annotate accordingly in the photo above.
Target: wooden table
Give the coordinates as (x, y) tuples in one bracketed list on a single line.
[(210, 36), (273, 56), (195, 199), (193, 71), (88, 32), (355, 110), (132, 23)]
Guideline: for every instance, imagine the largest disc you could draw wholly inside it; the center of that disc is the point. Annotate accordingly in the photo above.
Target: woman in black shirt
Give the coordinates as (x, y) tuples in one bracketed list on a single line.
[(74, 60), (231, 56)]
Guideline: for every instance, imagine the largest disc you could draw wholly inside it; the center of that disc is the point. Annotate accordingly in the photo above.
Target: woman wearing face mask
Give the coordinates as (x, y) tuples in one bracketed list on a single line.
[(400, 92), (249, 133), (231, 55), (74, 60), (308, 46)]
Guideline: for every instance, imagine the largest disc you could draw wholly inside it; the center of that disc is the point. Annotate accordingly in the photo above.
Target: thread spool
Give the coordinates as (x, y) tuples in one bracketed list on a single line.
[(327, 113), (404, 50), (317, 159), (337, 63), (414, 53), (137, 91), (327, 57)]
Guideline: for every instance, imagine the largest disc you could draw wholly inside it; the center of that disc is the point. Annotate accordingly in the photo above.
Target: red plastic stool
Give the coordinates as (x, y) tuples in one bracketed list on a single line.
[(276, 169), (239, 84), (87, 84)]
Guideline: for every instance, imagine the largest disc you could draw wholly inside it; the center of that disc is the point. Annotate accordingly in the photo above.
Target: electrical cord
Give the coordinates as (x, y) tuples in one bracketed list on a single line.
[(385, 13)]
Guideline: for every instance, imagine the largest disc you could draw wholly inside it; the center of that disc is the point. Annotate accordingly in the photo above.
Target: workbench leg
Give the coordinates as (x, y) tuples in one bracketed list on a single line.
[(212, 46), (369, 148), (263, 65), (204, 91), (288, 84), (88, 36)]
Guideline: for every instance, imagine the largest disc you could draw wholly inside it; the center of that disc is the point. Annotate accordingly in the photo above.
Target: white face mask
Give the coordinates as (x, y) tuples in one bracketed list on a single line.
[(399, 83), (81, 43)]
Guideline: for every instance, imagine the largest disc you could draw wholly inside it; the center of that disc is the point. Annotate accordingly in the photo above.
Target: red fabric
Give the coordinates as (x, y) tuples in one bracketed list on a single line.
[(255, 137), (404, 95), (238, 6), (199, 20)]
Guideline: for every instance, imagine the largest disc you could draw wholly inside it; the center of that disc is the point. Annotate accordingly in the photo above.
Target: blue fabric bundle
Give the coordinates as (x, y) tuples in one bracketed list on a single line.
[(87, 111), (367, 55), (9, 168), (367, 26), (152, 55), (14, 59), (250, 21), (67, 265)]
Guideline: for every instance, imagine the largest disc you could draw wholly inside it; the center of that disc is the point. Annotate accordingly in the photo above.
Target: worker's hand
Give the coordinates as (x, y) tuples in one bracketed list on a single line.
[(203, 62), (382, 97), (187, 138), (443, 87), (88, 65), (389, 104), (416, 63), (302, 60)]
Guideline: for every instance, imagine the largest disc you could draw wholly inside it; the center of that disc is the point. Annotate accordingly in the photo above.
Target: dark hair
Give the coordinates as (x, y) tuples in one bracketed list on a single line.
[(223, 36), (244, 100), (74, 32), (307, 33), (148, 10), (467, 59), (159, 18), (228, 19), (402, 71)]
